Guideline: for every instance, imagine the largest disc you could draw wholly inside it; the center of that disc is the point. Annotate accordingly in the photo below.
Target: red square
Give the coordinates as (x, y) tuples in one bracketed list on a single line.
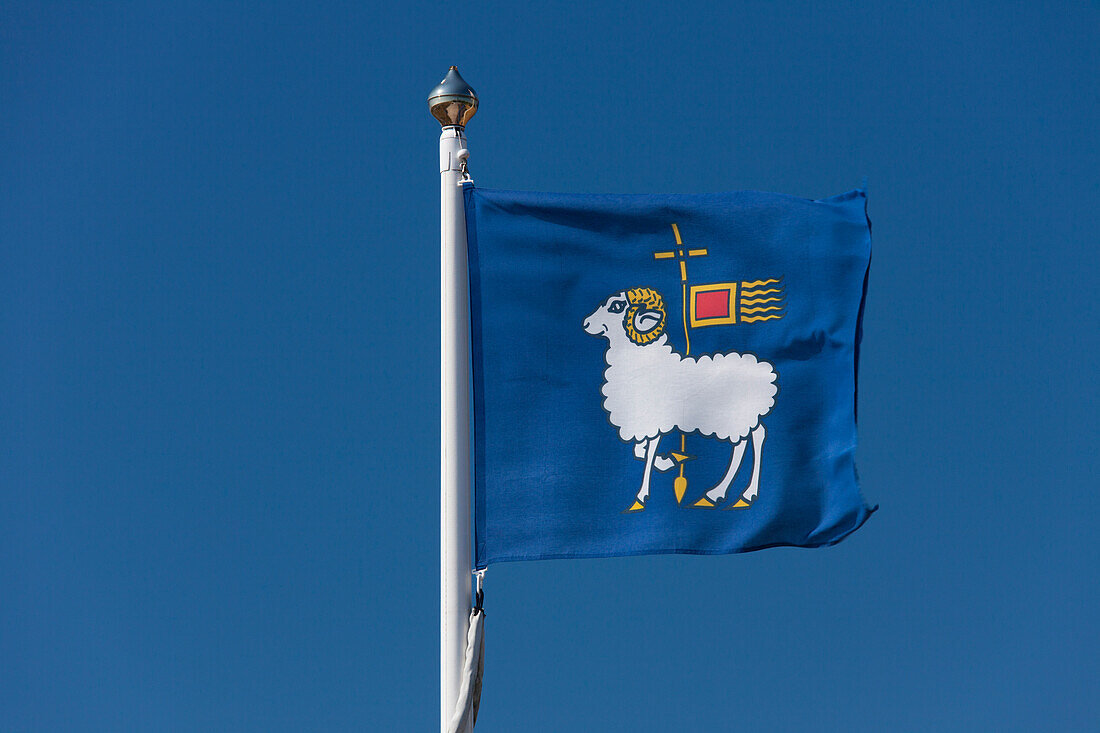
[(712, 304)]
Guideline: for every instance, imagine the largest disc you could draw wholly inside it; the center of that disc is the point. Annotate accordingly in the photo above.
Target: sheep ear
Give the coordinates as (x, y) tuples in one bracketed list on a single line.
[(646, 321)]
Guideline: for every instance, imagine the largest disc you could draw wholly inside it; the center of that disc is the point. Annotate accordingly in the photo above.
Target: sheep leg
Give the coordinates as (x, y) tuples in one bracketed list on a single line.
[(650, 456), (662, 463), (718, 492), (758, 435)]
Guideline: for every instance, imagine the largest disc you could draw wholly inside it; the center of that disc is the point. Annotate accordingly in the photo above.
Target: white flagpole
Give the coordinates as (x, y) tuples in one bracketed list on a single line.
[(453, 103)]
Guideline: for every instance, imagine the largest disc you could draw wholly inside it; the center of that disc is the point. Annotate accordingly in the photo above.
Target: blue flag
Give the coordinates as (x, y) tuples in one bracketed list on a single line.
[(657, 374)]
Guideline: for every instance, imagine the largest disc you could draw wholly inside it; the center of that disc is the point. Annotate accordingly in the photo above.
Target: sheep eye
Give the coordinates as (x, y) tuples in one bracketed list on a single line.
[(617, 306)]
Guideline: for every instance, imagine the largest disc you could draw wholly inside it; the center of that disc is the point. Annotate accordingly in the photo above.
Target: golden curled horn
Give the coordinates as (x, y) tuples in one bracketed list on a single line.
[(643, 299)]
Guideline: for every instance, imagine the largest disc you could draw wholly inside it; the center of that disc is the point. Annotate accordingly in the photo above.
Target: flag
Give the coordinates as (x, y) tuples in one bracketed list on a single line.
[(664, 373)]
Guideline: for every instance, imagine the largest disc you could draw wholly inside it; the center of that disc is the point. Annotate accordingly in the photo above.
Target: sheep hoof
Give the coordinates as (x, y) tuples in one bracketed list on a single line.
[(704, 502), (637, 506), (741, 504)]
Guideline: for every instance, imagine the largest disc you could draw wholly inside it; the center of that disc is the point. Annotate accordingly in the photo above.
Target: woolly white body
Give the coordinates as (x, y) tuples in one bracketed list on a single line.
[(650, 390)]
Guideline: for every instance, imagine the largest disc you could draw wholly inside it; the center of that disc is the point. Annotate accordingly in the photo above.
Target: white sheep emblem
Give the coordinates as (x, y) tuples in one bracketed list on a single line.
[(650, 390)]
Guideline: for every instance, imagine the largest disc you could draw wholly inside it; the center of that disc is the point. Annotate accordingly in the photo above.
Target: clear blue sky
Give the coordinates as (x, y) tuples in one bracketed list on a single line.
[(219, 379)]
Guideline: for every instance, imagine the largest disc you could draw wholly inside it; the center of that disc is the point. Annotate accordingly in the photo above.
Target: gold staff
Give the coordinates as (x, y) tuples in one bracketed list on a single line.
[(681, 483)]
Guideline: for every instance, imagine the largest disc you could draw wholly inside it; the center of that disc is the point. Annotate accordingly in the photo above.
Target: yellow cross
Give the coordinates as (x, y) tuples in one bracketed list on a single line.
[(679, 254)]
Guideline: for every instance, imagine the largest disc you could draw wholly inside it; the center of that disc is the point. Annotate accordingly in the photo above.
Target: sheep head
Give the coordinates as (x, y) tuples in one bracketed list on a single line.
[(640, 312)]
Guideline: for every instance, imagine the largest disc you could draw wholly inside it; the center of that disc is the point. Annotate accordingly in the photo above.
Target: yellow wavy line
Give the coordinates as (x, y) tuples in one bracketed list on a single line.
[(762, 310), (758, 283), (750, 319), (754, 293), (758, 301)]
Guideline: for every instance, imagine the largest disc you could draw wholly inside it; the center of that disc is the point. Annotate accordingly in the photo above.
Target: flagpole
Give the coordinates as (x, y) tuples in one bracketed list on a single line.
[(453, 103)]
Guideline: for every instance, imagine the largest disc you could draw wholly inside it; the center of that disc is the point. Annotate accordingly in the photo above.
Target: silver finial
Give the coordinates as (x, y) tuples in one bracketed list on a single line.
[(453, 102)]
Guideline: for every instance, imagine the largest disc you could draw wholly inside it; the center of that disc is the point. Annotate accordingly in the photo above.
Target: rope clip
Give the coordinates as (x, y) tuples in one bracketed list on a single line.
[(463, 166), (479, 593)]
